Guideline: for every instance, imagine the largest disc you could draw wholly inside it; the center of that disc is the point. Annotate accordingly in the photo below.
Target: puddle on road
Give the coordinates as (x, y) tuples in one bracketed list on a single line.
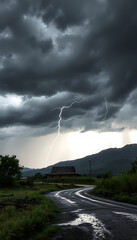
[(128, 215), (99, 229)]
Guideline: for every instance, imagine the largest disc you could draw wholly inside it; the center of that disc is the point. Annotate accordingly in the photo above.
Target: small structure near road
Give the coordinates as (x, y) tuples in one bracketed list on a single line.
[(68, 171)]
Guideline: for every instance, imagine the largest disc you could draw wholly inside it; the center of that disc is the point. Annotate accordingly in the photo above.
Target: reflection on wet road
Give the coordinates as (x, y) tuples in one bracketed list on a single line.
[(88, 217), (99, 228), (128, 215), (58, 195)]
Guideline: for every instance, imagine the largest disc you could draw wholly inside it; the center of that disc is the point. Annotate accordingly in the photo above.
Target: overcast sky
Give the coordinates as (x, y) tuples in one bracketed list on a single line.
[(81, 54)]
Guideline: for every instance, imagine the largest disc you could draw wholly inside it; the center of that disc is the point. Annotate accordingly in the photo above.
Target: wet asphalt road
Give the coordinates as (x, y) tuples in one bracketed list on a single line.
[(84, 216)]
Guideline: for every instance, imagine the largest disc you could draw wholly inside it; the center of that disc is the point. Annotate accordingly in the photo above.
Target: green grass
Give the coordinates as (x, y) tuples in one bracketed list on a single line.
[(121, 188), (26, 214), (73, 180)]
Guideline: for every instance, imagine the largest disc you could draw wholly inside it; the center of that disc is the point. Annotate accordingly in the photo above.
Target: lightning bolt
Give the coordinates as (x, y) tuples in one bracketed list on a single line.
[(59, 125), (105, 116)]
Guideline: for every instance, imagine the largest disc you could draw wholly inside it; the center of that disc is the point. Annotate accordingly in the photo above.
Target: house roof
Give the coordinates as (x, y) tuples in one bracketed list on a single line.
[(63, 170)]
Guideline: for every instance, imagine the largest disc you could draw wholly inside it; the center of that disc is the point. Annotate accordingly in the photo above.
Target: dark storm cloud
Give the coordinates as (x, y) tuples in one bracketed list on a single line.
[(43, 45), (117, 36), (86, 48), (68, 13), (38, 111), (47, 74)]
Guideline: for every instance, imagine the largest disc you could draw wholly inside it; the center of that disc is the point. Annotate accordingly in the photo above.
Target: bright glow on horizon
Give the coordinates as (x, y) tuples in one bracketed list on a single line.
[(133, 136), (82, 144), (32, 151)]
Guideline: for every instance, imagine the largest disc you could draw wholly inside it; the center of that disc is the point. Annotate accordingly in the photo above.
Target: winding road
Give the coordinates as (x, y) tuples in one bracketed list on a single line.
[(85, 217)]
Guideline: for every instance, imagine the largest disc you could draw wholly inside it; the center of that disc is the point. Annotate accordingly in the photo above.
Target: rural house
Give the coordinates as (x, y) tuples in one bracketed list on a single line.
[(68, 171)]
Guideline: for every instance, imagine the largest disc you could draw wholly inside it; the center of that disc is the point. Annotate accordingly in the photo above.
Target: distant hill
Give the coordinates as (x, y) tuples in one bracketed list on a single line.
[(116, 160), (25, 169)]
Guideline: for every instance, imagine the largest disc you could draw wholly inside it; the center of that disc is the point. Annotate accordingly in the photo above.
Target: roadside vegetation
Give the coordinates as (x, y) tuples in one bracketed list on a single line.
[(121, 188), (25, 213)]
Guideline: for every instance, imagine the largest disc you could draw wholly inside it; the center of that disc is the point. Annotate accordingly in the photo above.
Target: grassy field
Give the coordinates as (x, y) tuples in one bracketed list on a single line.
[(26, 214), (122, 188), (73, 180)]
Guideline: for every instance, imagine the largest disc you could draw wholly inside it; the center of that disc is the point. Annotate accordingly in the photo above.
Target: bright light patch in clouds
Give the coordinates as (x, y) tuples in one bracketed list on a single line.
[(10, 100), (14, 100)]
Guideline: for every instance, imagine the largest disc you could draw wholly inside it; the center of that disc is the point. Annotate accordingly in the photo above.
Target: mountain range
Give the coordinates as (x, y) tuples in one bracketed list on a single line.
[(116, 160)]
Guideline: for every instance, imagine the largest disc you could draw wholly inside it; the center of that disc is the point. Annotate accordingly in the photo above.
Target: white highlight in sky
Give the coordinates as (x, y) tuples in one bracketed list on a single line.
[(15, 100), (82, 144), (10, 100), (69, 146), (133, 136)]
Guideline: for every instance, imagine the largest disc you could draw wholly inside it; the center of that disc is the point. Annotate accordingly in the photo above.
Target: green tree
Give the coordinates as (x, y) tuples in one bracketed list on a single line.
[(107, 174), (134, 166), (38, 176), (9, 170)]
